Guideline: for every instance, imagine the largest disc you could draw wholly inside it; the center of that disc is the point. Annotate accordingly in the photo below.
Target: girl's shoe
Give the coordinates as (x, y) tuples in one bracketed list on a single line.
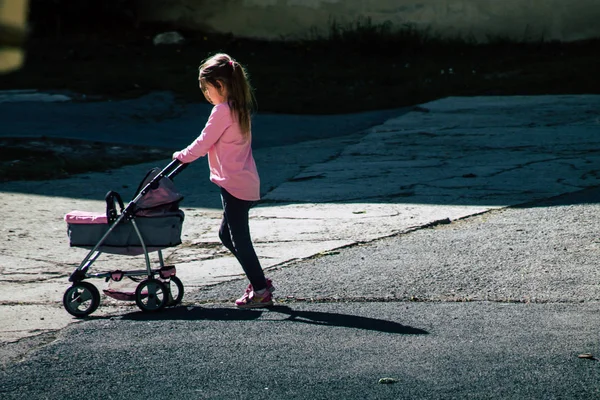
[(251, 299), (270, 286)]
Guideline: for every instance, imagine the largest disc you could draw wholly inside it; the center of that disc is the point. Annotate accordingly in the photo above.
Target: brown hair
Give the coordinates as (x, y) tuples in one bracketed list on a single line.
[(222, 71)]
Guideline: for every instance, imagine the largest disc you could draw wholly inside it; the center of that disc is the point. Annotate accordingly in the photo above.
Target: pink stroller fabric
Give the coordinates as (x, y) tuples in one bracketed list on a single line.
[(85, 217)]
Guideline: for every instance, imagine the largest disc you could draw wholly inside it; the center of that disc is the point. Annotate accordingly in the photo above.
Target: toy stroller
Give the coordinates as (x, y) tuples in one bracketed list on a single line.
[(150, 222)]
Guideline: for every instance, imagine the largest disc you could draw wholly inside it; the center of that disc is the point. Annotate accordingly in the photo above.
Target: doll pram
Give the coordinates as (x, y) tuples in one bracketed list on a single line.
[(151, 222)]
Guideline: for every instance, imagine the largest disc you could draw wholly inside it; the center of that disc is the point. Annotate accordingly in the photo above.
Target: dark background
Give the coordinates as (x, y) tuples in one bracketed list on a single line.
[(100, 48)]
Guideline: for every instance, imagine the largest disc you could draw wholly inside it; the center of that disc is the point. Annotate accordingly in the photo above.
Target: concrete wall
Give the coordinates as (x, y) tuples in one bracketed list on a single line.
[(564, 20)]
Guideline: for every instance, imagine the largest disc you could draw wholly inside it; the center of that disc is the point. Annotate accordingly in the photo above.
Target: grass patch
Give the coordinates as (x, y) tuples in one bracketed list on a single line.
[(50, 158)]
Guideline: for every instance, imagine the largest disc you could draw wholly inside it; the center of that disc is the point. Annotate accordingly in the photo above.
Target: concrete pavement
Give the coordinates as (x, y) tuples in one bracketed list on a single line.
[(440, 162), (502, 305)]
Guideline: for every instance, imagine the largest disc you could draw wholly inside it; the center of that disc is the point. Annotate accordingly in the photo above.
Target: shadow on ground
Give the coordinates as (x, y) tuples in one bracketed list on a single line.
[(289, 314)]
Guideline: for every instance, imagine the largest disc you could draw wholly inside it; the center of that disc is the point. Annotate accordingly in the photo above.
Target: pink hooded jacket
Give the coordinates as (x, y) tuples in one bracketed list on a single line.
[(230, 159)]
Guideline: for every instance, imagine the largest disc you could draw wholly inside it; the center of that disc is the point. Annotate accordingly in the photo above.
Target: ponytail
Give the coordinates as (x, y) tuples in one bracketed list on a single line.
[(241, 98)]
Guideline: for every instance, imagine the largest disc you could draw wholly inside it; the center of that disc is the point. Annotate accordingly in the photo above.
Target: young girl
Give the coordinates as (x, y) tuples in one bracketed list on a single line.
[(226, 139)]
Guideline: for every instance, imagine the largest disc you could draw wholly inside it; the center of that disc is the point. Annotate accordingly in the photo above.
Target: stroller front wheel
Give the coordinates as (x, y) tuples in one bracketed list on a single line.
[(151, 295), (81, 299)]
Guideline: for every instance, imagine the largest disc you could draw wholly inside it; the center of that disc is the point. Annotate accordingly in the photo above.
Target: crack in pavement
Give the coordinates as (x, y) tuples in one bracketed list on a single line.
[(381, 299)]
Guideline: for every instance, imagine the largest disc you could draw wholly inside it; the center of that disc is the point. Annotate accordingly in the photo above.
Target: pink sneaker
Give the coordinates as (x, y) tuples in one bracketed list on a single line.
[(270, 287), (251, 299)]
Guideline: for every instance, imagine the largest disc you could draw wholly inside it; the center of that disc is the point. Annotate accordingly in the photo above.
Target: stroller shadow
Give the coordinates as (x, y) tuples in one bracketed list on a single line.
[(306, 317)]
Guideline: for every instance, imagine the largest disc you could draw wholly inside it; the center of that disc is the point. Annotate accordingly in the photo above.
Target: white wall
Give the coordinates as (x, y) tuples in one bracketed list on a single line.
[(564, 20)]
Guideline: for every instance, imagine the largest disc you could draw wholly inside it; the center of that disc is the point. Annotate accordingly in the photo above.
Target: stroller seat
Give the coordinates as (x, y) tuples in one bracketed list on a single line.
[(85, 229), (156, 214)]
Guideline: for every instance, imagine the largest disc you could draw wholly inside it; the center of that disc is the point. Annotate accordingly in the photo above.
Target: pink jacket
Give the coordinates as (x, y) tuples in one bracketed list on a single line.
[(230, 159)]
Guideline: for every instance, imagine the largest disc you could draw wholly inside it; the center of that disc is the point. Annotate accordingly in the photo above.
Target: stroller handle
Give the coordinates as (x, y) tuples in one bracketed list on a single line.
[(173, 169)]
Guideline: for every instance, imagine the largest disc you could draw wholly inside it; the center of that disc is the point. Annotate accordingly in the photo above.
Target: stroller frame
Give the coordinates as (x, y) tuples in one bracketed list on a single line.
[(154, 292)]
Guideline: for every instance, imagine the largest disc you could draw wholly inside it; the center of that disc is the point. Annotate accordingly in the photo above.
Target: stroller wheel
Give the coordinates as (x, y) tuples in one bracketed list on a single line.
[(175, 291), (81, 299), (151, 295)]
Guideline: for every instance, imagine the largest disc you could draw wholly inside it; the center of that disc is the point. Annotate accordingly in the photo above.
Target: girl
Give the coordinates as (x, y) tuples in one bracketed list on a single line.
[(226, 139)]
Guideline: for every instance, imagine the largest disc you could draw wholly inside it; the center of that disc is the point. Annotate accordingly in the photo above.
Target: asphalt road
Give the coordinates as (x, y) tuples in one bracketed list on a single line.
[(494, 306)]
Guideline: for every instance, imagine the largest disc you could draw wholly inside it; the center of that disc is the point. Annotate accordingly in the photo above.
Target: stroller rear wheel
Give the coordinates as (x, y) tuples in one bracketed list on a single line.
[(151, 295), (81, 299)]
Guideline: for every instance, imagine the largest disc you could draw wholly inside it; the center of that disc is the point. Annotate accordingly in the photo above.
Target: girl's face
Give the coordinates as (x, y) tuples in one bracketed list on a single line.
[(215, 95)]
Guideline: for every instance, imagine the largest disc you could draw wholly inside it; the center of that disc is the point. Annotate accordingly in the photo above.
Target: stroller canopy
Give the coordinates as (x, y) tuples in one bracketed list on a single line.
[(164, 195)]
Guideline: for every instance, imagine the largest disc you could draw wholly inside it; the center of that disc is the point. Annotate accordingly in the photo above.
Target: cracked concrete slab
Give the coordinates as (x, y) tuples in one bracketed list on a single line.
[(443, 161)]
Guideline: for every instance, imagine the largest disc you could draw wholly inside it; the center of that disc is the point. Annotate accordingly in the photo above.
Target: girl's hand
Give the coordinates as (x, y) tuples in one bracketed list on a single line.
[(175, 155)]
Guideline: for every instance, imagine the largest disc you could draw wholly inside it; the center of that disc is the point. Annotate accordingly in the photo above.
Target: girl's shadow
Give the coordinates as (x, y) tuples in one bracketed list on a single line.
[(306, 317)]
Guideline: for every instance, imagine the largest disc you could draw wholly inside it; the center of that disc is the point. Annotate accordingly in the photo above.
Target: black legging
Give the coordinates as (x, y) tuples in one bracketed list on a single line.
[(235, 235)]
